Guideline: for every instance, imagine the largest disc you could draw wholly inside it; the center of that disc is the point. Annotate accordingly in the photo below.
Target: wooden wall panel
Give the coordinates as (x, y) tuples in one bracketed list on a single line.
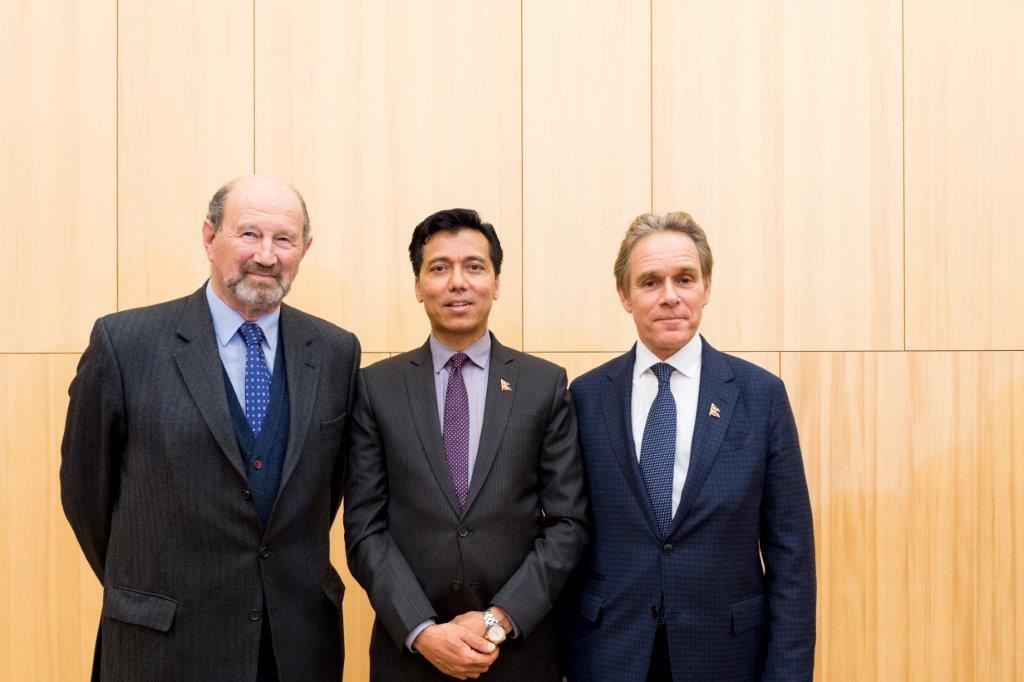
[(356, 607), (185, 107), (586, 166), (778, 127), (383, 113), (57, 191), (964, 142), (49, 597), (915, 463)]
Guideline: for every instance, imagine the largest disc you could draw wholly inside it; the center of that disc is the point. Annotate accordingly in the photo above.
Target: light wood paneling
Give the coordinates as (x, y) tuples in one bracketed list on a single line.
[(915, 463), (778, 127), (383, 113), (57, 189), (49, 597), (356, 607), (965, 208), (185, 107), (586, 165)]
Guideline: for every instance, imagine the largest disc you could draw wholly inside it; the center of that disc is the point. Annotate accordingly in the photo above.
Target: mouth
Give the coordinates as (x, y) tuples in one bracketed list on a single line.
[(458, 305)]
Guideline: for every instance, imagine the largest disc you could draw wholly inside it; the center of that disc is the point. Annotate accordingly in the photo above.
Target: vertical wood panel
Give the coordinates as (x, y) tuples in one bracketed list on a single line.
[(778, 126), (57, 175), (916, 467), (358, 613), (186, 126), (383, 113), (965, 208), (586, 163), (49, 597)]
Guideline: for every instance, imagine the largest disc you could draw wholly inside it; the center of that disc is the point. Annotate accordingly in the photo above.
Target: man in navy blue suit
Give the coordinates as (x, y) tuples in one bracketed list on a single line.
[(695, 479)]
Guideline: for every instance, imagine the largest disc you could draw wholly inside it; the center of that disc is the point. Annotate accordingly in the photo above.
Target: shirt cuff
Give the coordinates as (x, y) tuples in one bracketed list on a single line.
[(416, 633)]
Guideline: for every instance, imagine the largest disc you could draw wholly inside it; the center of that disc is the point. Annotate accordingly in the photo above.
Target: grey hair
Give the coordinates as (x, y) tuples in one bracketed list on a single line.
[(649, 223), (215, 211)]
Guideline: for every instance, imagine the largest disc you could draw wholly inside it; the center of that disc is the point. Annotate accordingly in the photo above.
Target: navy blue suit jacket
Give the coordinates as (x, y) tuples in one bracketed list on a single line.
[(744, 499)]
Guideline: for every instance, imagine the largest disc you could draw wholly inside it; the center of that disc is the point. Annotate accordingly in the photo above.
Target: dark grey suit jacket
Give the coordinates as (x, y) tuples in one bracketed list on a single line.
[(523, 529), (153, 484)]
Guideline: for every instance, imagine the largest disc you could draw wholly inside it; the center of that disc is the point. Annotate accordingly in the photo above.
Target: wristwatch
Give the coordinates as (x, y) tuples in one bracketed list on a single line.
[(495, 633)]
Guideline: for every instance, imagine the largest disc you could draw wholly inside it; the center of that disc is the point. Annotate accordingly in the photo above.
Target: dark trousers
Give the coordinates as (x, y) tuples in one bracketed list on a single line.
[(660, 669)]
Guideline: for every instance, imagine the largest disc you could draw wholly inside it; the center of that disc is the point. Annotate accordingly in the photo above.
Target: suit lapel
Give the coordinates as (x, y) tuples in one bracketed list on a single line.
[(618, 411), (419, 383), (716, 386), (497, 407), (302, 370), (201, 369)]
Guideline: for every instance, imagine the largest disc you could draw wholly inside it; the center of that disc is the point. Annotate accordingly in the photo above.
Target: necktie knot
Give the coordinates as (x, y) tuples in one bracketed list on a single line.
[(457, 361), (251, 333), (663, 371)]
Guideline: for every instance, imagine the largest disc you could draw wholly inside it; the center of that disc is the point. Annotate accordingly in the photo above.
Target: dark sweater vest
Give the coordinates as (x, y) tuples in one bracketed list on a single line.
[(264, 456)]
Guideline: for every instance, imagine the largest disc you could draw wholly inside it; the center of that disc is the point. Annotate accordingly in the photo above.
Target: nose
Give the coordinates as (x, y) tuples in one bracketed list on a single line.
[(457, 280), (669, 295), (265, 254)]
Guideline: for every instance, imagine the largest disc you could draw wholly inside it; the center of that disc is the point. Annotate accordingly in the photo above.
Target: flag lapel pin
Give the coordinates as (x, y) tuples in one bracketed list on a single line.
[(505, 386), (715, 412)]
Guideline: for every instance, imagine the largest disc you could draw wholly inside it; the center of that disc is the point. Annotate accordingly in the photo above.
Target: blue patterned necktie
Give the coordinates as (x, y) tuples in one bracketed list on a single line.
[(456, 427), (658, 450), (257, 376)]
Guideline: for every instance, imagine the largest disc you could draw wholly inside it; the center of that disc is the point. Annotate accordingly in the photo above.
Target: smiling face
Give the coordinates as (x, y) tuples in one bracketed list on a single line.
[(667, 293), (255, 254), (457, 285)]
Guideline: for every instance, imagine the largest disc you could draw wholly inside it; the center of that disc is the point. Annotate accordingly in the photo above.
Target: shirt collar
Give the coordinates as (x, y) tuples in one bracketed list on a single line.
[(685, 360), (479, 352), (226, 320)]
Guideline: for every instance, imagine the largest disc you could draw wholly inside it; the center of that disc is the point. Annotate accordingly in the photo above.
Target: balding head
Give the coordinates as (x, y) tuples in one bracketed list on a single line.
[(266, 185)]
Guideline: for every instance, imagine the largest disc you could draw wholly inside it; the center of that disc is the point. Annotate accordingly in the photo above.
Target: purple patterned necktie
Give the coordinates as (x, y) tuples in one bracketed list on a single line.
[(456, 427)]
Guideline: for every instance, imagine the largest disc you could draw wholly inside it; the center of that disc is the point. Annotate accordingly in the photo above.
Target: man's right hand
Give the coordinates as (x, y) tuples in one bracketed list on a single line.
[(456, 651)]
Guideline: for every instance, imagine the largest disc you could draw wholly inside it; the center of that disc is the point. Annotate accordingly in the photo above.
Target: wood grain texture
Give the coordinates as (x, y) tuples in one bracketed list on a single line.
[(964, 141), (915, 462), (356, 607), (384, 113), (49, 597), (778, 127), (586, 166), (57, 176), (185, 107)]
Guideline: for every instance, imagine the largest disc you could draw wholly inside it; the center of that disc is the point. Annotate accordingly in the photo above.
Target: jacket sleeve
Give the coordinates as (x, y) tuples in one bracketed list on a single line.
[(341, 457), (531, 592), (373, 557), (787, 547), (94, 435)]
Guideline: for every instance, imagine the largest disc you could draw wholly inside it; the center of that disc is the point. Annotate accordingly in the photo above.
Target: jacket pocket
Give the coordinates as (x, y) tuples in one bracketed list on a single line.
[(740, 442), (747, 614), (333, 425), (139, 608), (590, 605)]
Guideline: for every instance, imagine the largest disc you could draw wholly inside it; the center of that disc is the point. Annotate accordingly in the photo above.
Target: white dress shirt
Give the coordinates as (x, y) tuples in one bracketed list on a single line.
[(685, 385)]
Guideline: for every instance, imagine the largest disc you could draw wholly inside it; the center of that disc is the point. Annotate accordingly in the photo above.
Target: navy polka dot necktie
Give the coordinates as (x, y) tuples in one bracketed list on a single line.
[(658, 450), (257, 376), (456, 427)]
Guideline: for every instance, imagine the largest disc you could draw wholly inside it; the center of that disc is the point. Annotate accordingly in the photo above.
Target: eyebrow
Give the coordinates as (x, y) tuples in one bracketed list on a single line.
[(685, 270)]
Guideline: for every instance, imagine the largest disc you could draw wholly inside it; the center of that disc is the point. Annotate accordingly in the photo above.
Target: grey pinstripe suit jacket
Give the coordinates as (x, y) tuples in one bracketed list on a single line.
[(519, 537), (153, 484)]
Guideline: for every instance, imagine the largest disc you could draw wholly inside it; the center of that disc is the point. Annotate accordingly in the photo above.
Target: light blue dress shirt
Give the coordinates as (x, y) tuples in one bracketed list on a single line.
[(230, 343), (474, 373)]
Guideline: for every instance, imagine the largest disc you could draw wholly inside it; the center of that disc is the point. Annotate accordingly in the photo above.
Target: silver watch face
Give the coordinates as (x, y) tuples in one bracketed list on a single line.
[(496, 634)]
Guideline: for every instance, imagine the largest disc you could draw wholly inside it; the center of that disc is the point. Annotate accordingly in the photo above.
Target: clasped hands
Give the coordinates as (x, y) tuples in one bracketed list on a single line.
[(458, 648)]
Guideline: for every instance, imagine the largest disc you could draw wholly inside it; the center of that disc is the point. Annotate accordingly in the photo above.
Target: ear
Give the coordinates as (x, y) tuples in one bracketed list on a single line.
[(707, 290), (497, 285), (309, 243), (208, 236), (624, 299), (416, 286)]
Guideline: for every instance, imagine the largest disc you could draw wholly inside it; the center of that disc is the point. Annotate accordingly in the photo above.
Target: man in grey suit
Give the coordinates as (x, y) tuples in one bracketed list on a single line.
[(202, 463), (464, 511)]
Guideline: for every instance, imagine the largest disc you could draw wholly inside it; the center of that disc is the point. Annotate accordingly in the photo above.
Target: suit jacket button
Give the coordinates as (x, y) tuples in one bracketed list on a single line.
[(654, 611), (264, 552), (257, 464), (456, 586), (463, 532), (255, 614), (246, 495), (667, 548)]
